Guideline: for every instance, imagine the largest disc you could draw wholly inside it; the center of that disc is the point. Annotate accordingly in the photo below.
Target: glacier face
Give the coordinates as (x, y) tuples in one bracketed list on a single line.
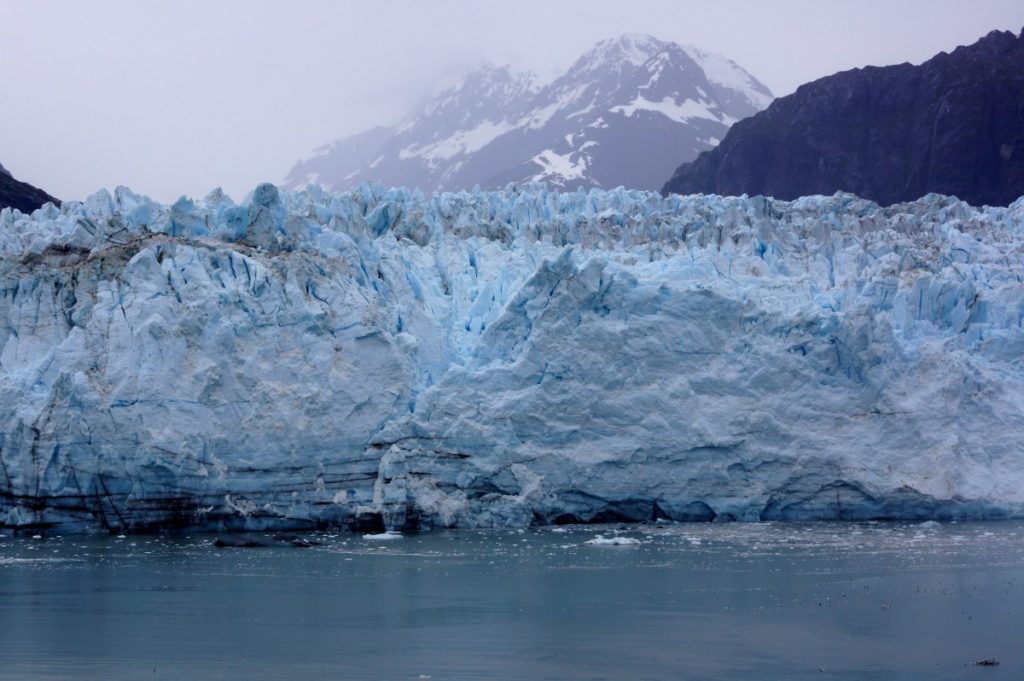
[(506, 358)]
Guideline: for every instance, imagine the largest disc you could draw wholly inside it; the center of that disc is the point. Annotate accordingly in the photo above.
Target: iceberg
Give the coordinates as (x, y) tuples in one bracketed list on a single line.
[(386, 361)]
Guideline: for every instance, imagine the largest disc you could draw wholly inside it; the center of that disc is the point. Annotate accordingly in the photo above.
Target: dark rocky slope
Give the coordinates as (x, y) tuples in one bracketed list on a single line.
[(21, 195), (953, 125)]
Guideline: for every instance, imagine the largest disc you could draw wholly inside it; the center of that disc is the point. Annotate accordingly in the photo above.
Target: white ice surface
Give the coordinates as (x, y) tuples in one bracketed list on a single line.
[(506, 358)]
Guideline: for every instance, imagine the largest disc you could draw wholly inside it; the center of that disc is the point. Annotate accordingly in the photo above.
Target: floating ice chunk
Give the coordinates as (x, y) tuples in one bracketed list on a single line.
[(612, 541), (383, 536)]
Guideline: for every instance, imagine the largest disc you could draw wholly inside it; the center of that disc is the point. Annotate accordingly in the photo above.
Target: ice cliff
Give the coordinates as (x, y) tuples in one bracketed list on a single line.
[(507, 358)]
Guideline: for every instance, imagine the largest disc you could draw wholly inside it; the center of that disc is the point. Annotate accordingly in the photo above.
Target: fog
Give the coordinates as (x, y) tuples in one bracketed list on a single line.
[(179, 97)]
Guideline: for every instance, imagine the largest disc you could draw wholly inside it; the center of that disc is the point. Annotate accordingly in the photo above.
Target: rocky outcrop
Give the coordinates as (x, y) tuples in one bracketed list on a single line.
[(21, 195), (953, 125)]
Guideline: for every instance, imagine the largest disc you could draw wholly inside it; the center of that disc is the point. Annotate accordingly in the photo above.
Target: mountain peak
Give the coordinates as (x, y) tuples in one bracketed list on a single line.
[(625, 113), (635, 48), (486, 73), (616, 54), (485, 86)]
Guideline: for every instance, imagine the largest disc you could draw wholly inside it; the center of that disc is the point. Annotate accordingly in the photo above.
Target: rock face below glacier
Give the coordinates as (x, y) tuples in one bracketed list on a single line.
[(507, 358)]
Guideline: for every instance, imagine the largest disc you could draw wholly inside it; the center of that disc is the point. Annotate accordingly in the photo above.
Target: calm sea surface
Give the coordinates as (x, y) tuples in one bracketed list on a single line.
[(734, 601)]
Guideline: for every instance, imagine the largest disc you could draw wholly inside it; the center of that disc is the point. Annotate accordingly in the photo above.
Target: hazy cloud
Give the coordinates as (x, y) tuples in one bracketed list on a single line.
[(180, 97)]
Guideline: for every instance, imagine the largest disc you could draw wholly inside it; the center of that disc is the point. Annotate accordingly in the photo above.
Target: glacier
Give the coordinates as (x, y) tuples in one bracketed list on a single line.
[(385, 360)]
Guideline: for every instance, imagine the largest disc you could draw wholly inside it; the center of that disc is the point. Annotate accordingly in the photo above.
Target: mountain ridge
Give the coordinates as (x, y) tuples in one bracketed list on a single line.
[(21, 195), (603, 122), (951, 125)]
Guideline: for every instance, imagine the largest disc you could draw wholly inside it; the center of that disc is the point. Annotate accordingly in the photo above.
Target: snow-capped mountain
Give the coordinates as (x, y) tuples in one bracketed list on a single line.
[(623, 114)]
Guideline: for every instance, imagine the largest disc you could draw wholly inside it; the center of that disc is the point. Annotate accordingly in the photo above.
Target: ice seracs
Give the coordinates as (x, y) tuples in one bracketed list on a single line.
[(383, 360)]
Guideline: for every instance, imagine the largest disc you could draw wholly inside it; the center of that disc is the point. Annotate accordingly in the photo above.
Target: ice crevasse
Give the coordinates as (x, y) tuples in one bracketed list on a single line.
[(384, 359)]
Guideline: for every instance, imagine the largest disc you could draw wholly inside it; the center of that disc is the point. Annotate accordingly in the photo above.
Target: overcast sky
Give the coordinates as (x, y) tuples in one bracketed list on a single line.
[(182, 96)]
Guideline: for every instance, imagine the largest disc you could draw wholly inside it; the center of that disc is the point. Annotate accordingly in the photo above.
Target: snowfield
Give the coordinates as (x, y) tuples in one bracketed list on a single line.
[(381, 359)]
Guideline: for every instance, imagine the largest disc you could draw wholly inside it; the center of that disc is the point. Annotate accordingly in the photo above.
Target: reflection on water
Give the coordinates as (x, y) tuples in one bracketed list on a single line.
[(732, 601)]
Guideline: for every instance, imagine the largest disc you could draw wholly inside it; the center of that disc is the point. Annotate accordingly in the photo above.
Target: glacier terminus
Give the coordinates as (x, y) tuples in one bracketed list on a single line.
[(382, 359)]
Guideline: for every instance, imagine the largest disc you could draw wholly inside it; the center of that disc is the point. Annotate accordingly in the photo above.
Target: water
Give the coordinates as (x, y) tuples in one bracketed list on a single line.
[(737, 601)]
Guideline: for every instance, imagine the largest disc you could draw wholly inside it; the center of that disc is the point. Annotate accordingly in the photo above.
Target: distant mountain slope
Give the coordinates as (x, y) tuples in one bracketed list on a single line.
[(623, 114), (21, 195), (953, 125)]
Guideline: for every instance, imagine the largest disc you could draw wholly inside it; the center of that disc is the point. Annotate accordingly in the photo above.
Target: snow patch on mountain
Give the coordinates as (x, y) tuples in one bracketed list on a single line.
[(461, 142), (560, 169), (681, 112), (727, 74)]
